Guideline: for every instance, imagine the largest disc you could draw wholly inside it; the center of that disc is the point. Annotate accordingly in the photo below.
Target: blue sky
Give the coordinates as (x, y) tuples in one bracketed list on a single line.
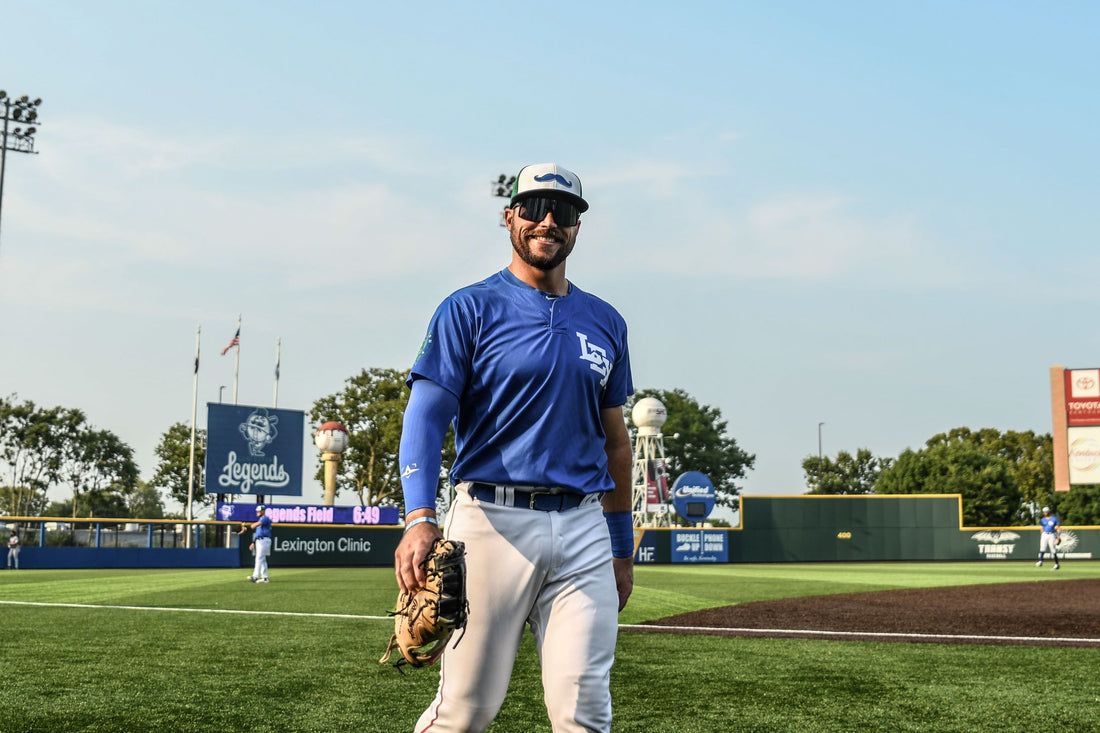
[(878, 216)]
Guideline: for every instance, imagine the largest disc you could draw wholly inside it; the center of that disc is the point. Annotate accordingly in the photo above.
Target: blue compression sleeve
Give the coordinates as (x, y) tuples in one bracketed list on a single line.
[(427, 417), (621, 527)]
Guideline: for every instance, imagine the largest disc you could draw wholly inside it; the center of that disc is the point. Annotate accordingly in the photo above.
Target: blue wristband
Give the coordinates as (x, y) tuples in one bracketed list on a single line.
[(621, 527)]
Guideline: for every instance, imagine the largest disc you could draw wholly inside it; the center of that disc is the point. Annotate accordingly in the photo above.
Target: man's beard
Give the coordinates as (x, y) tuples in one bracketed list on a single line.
[(541, 262)]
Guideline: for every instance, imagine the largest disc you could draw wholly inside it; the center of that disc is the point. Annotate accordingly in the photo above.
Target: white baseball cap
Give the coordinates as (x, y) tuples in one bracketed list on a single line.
[(549, 179), (260, 508), (1046, 509)]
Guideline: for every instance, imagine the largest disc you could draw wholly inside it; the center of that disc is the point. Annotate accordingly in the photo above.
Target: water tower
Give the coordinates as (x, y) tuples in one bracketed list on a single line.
[(331, 439), (650, 476)]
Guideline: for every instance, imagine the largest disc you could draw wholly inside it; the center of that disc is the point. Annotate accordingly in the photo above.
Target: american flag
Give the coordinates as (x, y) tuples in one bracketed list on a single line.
[(235, 341)]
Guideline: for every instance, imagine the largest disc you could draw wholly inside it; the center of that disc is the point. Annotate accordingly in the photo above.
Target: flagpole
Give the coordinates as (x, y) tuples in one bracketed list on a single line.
[(278, 360), (191, 461), (237, 371)]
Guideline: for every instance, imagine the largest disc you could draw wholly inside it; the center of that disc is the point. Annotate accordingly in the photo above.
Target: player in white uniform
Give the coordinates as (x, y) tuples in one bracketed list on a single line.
[(13, 550), (1048, 539), (261, 544), (534, 372)]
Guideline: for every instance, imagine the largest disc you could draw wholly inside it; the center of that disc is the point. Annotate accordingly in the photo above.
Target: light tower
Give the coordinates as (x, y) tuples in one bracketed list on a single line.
[(331, 439), (650, 494)]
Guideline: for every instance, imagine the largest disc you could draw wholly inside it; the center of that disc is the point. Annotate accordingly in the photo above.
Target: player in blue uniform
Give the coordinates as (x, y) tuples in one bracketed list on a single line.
[(1048, 540), (534, 372), (261, 544)]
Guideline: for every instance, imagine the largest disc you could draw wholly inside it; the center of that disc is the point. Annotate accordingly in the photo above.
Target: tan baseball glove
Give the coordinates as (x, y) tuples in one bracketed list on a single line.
[(424, 621)]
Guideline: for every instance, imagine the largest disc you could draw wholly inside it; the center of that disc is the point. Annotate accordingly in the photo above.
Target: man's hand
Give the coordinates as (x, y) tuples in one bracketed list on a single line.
[(251, 546), (410, 554), (624, 578)]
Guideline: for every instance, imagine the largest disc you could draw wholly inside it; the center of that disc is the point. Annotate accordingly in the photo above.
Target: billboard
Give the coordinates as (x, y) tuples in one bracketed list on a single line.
[(328, 546), (693, 495), (1084, 455), (311, 513), (656, 484), (1082, 397), (254, 450), (700, 545)]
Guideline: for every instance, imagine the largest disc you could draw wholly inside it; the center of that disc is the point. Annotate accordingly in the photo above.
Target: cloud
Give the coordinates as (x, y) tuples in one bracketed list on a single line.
[(108, 200)]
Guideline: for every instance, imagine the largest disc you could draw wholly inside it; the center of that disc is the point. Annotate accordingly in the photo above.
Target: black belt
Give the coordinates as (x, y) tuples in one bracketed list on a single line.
[(543, 500)]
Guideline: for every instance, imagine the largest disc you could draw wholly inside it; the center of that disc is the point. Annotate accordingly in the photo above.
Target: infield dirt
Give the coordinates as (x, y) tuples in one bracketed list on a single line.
[(1064, 613)]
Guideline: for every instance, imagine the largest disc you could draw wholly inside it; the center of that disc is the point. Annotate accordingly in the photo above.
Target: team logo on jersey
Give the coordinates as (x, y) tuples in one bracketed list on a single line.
[(409, 470), (425, 345), (259, 430), (596, 356)]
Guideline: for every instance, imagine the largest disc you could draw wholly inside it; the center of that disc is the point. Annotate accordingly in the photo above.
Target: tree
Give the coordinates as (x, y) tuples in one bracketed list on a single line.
[(144, 502), (173, 459), (33, 501), (1030, 456), (33, 445), (848, 474), (1080, 505), (703, 444), (100, 468), (372, 407), (986, 481)]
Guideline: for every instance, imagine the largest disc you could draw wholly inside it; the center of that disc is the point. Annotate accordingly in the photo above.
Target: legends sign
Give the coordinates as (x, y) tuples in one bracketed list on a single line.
[(254, 450)]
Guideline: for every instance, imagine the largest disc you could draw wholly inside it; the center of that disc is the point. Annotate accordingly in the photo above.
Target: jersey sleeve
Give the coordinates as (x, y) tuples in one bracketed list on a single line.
[(620, 384), (447, 349), (265, 521)]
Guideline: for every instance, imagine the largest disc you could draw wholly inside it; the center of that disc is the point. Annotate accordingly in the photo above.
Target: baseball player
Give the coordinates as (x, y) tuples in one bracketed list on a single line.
[(13, 550), (261, 543), (534, 372), (1049, 538)]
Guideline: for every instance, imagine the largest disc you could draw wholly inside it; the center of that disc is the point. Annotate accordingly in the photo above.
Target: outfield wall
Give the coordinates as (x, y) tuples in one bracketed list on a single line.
[(805, 528), (822, 528)]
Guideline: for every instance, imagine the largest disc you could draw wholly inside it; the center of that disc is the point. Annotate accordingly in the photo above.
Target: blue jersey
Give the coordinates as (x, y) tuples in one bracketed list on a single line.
[(264, 530), (1049, 523), (531, 373)]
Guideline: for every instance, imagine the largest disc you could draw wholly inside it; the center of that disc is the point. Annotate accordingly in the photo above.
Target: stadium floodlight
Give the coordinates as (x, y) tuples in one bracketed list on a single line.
[(502, 188), (19, 140)]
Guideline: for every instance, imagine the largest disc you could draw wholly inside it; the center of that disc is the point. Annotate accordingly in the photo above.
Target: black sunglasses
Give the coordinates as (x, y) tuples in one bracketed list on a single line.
[(535, 208)]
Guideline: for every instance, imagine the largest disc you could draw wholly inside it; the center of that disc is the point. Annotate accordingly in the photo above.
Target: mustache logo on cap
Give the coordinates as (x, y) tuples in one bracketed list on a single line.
[(554, 177)]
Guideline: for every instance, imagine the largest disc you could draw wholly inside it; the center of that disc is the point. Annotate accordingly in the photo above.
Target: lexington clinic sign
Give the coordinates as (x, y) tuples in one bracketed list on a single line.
[(254, 450)]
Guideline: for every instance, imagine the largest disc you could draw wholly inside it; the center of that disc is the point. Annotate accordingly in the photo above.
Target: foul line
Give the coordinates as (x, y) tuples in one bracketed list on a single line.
[(628, 627), (875, 634), (201, 610)]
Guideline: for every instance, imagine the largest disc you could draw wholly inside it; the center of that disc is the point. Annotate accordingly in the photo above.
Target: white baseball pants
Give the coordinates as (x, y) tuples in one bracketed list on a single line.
[(262, 550), (552, 570), (1047, 543)]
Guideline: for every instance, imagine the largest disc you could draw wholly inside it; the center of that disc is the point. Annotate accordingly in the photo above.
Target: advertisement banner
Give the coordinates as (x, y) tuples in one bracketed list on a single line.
[(253, 450), (1082, 397), (310, 513), (656, 484), (1084, 455), (328, 546), (693, 495), (700, 545), (1024, 545)]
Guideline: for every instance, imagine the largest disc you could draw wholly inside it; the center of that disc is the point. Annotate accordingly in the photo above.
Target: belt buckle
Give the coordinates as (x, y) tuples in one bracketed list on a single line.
[(531, 497)]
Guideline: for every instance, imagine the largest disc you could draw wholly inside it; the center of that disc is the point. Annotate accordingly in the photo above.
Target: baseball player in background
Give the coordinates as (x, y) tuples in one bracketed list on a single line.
[(534, 372), (13, 550), (261, 543), (1048, 539)]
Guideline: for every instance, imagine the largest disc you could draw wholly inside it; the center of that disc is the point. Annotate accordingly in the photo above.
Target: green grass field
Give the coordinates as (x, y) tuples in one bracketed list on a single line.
[(81, 669)]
